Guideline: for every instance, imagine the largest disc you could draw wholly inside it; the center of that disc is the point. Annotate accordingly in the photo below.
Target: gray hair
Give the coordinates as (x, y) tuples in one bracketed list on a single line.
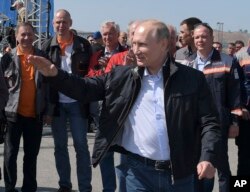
[(112, 24)]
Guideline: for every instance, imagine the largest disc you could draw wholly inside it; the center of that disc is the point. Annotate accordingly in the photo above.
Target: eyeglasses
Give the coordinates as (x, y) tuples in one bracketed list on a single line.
[(204, 25)]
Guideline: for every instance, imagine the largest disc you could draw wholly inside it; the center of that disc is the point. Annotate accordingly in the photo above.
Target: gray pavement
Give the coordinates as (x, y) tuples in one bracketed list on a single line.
[(46, 172)]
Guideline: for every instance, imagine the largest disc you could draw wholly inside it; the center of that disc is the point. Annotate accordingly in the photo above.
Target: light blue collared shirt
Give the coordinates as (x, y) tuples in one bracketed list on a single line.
[(201, 62), (145, 130)]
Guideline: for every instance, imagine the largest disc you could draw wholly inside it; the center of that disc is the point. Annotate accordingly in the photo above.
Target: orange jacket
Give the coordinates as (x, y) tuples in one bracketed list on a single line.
[(116, 59), (94, 66), (95, 69)]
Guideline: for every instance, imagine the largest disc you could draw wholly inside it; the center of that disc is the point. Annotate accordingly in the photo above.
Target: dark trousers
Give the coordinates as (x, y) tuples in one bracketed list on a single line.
[(142, 176), (243, 143), (205, 185), (224, 172), (31, 129)]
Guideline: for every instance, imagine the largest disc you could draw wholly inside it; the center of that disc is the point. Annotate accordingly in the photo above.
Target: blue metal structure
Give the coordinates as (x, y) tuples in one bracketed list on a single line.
[(40, 14), (5, 8)]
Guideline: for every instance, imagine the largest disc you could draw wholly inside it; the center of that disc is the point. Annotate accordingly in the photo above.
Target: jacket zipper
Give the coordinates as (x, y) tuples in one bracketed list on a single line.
[(130, 104), (171, 165), (124, 116)]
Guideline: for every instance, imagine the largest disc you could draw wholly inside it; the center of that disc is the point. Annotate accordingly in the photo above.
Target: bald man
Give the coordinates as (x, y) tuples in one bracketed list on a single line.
[(159, 113), (70, 53), (123, 38)]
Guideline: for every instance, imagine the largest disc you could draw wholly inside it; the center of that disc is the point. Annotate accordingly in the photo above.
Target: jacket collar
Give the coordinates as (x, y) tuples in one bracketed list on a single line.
[(215, 56), (169, 68), (189, 52), (172, 66), (54, 42), (76, 44)]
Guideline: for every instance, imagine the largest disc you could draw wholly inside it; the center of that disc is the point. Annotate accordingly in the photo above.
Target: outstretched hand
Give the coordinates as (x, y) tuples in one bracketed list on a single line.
[(43, 65)]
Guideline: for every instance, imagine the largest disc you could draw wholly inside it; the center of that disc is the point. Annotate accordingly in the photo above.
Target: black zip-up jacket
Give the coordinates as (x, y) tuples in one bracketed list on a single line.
[(191, 117), (3, 91), (242, 61), (80, 60)]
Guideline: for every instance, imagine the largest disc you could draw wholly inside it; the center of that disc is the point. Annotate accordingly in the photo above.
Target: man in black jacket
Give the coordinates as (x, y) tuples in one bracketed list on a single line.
[(70, 53), (3, 100), (160, 113), (3, 91), (223, 79)]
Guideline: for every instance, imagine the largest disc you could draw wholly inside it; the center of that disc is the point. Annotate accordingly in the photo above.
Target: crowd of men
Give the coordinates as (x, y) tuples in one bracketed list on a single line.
[(167, 104)]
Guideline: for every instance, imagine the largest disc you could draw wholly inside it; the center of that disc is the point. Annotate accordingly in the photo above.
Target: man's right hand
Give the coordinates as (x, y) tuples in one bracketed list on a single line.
[(129, 58), (103, 61), (205, 169), (43, 65)]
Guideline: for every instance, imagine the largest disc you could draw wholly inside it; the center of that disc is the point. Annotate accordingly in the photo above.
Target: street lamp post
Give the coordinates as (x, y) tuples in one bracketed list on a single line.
[(220, 31)]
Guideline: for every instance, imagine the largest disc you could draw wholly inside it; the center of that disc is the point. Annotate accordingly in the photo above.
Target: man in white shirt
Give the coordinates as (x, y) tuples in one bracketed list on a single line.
[(159, 113), (71, 53), (19, 6)]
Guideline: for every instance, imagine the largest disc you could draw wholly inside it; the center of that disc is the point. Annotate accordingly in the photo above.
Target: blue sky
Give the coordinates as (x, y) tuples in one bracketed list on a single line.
[(87, 15)]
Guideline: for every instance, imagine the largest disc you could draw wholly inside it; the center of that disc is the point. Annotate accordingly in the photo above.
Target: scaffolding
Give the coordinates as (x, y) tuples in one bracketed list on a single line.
[(38, 13)]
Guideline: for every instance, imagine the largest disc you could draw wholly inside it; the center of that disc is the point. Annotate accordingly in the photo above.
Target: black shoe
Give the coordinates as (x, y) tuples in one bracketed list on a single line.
[(64, 189)]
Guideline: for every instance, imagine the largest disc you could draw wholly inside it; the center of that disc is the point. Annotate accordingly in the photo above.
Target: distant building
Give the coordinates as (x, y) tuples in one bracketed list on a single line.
[(84, 33)]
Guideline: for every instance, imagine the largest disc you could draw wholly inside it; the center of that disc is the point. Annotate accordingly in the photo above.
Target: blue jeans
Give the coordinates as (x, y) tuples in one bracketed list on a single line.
[(94, 110), (108, 172), (142, 177), (107, 166), (121, 172), (223, 168), (78, 127)]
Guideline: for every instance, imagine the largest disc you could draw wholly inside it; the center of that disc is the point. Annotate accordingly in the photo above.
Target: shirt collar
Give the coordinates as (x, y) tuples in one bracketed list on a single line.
[(147, 74), (21, 52), (205, 60), (110, 53), (159, 73)]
